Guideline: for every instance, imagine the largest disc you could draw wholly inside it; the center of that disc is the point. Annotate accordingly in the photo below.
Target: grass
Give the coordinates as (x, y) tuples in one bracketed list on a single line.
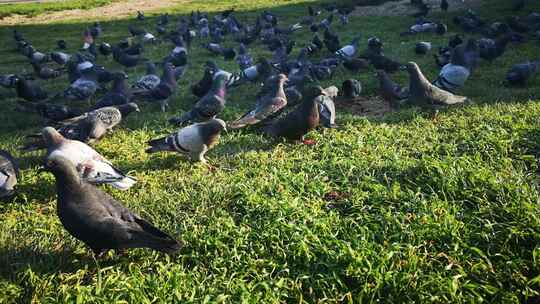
[(424, 210), (33, 9)]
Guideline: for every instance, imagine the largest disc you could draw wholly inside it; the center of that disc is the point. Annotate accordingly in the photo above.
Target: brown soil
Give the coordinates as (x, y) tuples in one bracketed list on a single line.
[(404, 7), (371, 107), (114, 10)]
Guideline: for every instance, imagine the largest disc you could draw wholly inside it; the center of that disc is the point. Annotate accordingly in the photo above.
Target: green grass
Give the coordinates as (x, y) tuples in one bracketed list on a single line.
[(33, 9), (442, 210)]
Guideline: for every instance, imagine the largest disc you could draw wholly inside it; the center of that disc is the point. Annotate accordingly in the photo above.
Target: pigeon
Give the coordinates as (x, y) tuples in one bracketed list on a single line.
[(29, 90), (96, 30), (356, 64), (83, 88), (452, 77), (37, 57), (327, 108), (45, 72), (60, 57), (389, 90), (202, 87), (331, 41), (244, 59), (105, 49), (50, 111), (304, 118), (91, 165), (61, 44), (381, 62), (98, 220), (444, 5), (163, 91), (422, 48), (209, 106), (349, 50), (492, 49), (119, 93), (88, 40), (140, 16), (521, 73), (271, 102), (150, 80), (423, 93), (9, 172), (194, 140), (8, 81), (466, 55), (351, 89), (88, 128), (125, 59)]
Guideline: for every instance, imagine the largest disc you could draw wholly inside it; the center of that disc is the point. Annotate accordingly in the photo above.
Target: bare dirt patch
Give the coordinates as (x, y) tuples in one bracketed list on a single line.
[(112, 11), (404, 7), (371, 107)]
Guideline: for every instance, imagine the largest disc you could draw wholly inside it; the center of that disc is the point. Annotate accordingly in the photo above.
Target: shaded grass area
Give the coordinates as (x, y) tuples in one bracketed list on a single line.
[(407, 208), (33, 9)]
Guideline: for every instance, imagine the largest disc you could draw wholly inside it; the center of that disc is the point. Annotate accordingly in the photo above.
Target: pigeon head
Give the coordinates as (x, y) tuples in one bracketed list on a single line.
[(128, 108), (63, 169), (51, 136), (312, 92), (120, 76), (218, 124)]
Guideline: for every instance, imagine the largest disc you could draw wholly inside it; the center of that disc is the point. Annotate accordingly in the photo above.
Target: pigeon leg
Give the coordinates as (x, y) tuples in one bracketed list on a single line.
[(164, 105)]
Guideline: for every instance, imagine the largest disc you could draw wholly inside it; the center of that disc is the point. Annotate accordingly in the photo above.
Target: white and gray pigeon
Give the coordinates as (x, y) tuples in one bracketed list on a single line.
[(327, 108), (423, 93), (91, 165), (9, 172), (194, 140)]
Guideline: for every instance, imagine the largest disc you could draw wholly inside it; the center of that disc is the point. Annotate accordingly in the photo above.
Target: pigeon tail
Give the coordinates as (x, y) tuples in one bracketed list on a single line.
[(186, 117), (158, 145), (157, 239), (124, 184)]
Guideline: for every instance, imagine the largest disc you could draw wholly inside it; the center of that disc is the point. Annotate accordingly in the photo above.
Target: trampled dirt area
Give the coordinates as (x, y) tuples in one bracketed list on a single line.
[(112, 11), (404, 7)]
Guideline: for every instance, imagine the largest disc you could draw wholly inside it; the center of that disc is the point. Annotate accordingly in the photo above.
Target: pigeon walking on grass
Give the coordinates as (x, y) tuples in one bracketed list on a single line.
[(98, 220), (194, 140)]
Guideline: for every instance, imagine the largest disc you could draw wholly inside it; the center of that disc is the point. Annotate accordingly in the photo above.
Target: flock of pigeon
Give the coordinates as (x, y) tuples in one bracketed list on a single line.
[(288, 105)]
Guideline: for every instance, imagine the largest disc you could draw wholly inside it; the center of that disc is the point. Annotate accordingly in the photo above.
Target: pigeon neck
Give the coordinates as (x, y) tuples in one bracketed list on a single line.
[(219, 87), (418, 79)]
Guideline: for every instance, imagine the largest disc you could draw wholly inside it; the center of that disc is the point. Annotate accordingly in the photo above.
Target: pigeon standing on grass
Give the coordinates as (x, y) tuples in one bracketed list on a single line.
[(98, 220), (389, 90), (91, 165), (9, 172), (423, 93), (194, 140), (150, 80), (164, 90), (29, 90), (520, 73), (304, 118), (268, 104)]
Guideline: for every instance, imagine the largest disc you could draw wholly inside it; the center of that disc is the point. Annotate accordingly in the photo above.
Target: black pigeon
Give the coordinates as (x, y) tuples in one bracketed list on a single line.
[(351, 89), (98, 220), (521, 73), (194, 140), (9, 172), (125, 59), (28, 90), (105, 49), (331, 41), (96, 30), (422, 48), (389, 90), (119, 94), (304, 118), (492, 49), (444, 5), (61, 44), (209, 106), (140, 16)]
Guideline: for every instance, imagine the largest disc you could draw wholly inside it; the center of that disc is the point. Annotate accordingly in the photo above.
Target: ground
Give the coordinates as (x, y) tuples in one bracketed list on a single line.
[(405, 208)]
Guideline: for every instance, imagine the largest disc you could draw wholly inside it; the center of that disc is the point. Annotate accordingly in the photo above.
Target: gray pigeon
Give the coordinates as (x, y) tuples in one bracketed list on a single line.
[(520, 73), (98, 220), (194, 140), (268, 104), (423, 93), (93, 167), (149, 81), (389, 90), (89, 127), (9, 172), (327, 108)]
